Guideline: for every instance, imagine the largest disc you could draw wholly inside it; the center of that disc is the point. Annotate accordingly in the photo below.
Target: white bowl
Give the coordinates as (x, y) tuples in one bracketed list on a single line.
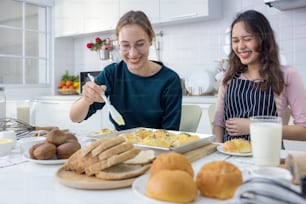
[(6, 146), (276, 173), (26, 143), (8, 134)]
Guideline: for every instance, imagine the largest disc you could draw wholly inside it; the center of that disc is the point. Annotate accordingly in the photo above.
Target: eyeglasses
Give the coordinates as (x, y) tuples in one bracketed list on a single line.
[(139, 46)]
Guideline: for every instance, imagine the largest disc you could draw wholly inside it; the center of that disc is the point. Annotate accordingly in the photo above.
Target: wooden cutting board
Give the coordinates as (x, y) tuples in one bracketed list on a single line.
[(200, 152), (81, 181)]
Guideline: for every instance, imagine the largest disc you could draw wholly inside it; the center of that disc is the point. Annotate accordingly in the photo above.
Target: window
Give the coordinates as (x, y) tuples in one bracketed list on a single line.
[(25, 39)]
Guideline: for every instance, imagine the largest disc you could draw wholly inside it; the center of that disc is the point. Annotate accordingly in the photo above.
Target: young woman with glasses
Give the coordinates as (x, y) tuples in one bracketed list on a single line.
[(146, 93)]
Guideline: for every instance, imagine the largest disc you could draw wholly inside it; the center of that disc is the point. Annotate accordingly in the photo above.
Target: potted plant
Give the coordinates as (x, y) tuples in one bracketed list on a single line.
[(102, 46)]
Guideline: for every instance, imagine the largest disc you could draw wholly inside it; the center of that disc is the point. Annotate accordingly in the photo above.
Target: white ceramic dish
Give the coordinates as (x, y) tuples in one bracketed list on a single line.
[(6, 146), (97, 135), (200, 82), (46, 162), (276, 173), (139, 188), (220, 149), (204, 139), (8, 134), (26, 143)]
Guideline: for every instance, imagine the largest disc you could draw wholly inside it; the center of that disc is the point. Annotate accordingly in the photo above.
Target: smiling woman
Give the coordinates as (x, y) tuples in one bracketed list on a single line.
[(146, 93), (256, 84)]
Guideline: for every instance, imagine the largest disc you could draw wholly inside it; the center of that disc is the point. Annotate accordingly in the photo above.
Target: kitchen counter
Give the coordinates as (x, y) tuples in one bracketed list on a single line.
[(31, 183), (186, 99)]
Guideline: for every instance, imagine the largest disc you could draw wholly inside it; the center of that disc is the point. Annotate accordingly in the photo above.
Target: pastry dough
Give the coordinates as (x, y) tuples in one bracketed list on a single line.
[(158, 138)]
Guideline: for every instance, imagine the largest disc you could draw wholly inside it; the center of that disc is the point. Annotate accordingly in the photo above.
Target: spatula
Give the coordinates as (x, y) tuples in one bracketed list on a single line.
[(112, 110)]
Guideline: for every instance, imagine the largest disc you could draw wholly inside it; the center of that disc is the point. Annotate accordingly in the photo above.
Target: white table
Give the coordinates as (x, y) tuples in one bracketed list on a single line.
[(31, 183)]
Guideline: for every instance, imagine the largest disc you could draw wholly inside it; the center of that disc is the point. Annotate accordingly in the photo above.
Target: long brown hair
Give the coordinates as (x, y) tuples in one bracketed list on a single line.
[(138, 18), (257, 24)]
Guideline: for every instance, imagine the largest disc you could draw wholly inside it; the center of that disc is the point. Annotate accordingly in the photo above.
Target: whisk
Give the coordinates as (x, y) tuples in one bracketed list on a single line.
[(20, 127)]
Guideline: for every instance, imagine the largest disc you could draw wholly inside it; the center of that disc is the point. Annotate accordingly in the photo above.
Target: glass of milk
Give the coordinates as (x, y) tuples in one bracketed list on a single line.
[(266, 139), (23, 111)]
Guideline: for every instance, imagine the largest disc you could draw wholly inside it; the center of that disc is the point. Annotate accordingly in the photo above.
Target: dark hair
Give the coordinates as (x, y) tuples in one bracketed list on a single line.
[(138, 18), (257, 24)]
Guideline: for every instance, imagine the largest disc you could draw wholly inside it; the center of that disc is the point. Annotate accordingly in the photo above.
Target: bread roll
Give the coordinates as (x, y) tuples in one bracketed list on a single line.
[(64, 151), (171, 161), (237, 146), (44, 151), (31, 150), (71, 136), (56, 137), (172, 186), (219, 179)]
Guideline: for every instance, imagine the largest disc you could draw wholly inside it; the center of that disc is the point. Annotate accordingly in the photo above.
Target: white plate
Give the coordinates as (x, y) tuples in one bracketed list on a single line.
[(47, 162), (139, 188), (220, 149), (200, 81), (97, 135)]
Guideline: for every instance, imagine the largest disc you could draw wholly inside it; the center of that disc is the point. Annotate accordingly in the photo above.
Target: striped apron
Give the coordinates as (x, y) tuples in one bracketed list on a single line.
[(244, 99)]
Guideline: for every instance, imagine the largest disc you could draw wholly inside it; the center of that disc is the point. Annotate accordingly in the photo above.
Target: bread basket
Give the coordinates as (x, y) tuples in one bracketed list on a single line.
[(68, 91)]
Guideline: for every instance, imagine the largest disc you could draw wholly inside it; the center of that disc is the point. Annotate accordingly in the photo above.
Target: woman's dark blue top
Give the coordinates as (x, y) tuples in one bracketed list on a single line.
[(152, 102)]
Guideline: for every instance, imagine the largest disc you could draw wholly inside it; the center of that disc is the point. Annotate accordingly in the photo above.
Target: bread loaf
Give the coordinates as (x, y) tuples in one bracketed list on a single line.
[(218, 179), (237, 146), (297, 166)]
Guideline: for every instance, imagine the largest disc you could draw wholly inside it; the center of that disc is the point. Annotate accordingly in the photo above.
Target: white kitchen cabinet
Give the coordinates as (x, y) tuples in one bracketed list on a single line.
[(69, 17), (74, 17), (174, 11), (151, 8), (100, 15), (54, 111)]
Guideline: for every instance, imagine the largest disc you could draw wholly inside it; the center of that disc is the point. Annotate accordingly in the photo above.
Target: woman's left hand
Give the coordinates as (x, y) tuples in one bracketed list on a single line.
[(237, 126)]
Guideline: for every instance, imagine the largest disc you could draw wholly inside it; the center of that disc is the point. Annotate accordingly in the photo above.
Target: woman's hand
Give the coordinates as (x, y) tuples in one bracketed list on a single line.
[(237, 126), (91, 92)]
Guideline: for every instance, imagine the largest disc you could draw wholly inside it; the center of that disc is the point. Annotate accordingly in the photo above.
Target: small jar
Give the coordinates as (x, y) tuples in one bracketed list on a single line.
[(2, 103)]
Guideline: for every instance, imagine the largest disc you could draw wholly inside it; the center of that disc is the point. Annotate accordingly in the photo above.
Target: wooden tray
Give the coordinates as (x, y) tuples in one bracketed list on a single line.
[(81, 181), (200, 152)]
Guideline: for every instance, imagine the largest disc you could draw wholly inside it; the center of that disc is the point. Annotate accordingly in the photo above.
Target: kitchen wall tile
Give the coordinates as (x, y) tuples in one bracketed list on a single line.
[(299, 17), (286, 19), (285, 33), (300, 45), (299, 32)]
